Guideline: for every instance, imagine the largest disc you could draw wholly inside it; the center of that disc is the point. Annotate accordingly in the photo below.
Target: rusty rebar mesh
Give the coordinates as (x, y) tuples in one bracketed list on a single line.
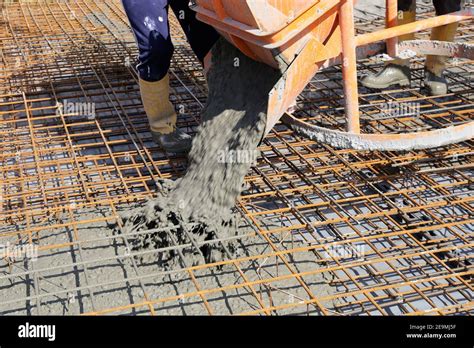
[(387, 232)]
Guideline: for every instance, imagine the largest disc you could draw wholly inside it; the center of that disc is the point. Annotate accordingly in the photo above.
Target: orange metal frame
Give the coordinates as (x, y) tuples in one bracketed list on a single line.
[(350, 41), (314, 40)]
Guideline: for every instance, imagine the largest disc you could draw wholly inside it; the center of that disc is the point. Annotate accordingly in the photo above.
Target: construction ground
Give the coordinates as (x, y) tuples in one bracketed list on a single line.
[(327, 231)]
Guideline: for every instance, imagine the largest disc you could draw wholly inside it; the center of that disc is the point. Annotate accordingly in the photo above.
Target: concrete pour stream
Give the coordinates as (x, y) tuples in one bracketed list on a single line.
[(233, 123)]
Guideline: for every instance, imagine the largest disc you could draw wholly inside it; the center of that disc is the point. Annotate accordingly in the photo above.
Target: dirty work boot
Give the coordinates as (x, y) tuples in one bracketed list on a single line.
[(390, 75), (436, 85), (177, 141), (396, 72), (435, 82), (162, 116), (158, 108)]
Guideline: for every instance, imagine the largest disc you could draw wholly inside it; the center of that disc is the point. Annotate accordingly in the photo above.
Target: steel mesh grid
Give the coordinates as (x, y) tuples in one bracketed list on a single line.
[(65, 176)]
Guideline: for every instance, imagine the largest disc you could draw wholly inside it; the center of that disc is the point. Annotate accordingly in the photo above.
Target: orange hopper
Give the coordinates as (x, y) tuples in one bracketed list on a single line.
[(301, 36)]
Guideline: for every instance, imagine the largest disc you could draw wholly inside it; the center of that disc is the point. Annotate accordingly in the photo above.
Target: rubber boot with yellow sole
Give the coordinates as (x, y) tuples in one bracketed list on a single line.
[(435, 81), (162, 116), (396, 72)]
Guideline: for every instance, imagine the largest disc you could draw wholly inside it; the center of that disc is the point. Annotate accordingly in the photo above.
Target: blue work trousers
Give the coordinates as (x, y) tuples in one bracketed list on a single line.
[(149, 22)]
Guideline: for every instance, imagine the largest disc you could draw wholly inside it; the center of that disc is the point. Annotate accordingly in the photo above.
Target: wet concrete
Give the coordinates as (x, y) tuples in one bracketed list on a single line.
[(233, 121), (111, 279)]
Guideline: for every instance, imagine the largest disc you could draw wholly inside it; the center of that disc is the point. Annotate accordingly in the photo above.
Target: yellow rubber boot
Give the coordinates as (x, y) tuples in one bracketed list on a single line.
[(435, 65), (157, 105), (395, 72), (162, 116)]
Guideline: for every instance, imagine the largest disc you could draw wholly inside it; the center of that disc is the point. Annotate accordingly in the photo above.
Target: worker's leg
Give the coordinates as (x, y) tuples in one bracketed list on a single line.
[(149, 22), (201, 36), (396, 72), (446, 6), (435, 82)]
